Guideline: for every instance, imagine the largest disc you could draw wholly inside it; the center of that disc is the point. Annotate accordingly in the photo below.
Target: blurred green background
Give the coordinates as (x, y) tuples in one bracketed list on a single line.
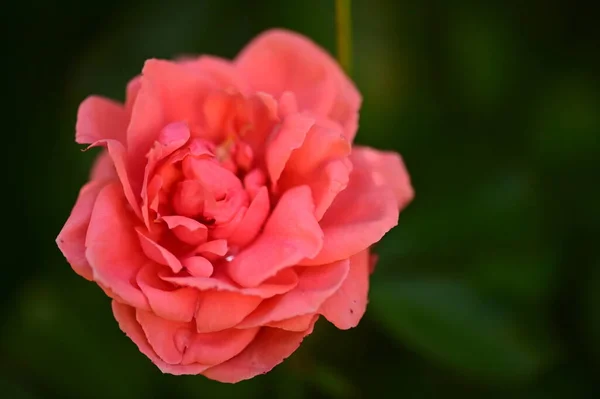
[(490, 285)]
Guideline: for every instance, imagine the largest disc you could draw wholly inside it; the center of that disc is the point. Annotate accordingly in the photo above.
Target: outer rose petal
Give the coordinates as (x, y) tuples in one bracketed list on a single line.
[(298, 323), (270, 347), (113, 249), (346, 307), (218, 347), (103, 168), (71, 239), (99, 118), (219, 310), (131, 93), (361, 214), (289, 137), (125, 316), (315, 286), (321, 163), (219, 70), (169, 92), (118, 154), (177, 343), (291, 234), (391, 167), (279, 61), (166, 301)]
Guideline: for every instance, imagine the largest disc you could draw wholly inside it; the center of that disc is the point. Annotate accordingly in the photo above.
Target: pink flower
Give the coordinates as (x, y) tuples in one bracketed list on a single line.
[(229, 209)]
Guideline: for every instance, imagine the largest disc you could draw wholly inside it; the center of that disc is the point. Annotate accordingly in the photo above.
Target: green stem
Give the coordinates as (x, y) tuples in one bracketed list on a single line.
[(344, 34)]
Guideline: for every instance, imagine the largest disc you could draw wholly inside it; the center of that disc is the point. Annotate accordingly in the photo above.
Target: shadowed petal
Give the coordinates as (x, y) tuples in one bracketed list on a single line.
[(99, 118), (270, 347), (315, 285), (346, 307), (126, 317), (167, 301), (112, 246), (362, 213), (71, 239)]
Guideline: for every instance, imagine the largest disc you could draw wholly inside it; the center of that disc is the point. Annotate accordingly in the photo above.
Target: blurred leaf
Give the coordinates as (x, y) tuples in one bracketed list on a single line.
[(448, 322)]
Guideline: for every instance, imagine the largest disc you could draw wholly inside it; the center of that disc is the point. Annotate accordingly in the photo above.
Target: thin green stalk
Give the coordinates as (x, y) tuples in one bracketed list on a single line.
[(343, 22)]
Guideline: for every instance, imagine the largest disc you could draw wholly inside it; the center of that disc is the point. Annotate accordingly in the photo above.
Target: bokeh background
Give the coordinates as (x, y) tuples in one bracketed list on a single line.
[(490, 285)]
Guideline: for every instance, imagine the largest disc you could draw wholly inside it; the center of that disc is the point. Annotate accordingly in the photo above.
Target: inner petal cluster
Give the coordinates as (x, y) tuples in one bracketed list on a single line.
[(202, 201)]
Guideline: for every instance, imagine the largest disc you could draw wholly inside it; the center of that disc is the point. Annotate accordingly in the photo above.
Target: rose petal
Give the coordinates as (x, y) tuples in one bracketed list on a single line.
[(169, 93), (346, 307), (157, 253), (290, 234), (327, 183), (215, 247), (261, 117), (168, 339), (189, 198), (132, 91), (321, 163), (103, 168), (269, 348), (218, 70), (171, 138), (112, 246), (254, 181), (225, 228), (219, 310), (217, 347), (324, 142), (176, 343), (198, 266), (287, 104), (98, 119), (289, 137), (71, 239), (118, 154), (315, 285), (186, 229), (283, 282), (253, 220), (360, 215), (280, 60), (166, 300), (393, 172), (126, 317), (298, 323)]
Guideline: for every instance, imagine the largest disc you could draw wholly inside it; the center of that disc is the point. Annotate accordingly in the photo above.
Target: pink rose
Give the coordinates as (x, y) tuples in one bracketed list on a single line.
[(229, 210)]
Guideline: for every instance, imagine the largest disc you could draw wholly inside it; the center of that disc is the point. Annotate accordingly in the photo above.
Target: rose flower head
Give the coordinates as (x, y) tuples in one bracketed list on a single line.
[(229, 209)]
